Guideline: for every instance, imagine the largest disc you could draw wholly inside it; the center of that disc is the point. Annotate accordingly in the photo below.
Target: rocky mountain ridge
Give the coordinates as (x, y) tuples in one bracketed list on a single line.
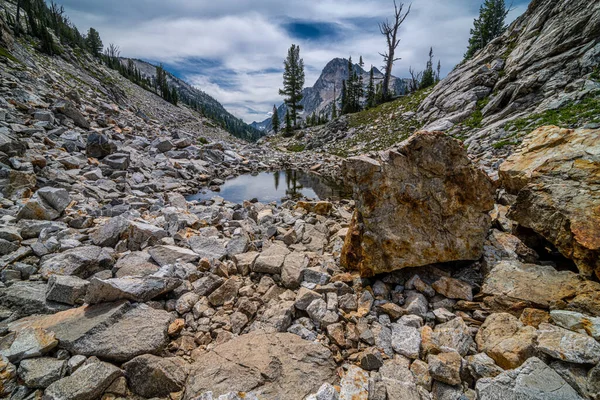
[(319, 97)]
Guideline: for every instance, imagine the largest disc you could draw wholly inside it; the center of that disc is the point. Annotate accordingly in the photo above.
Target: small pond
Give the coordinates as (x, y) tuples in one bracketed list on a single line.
[(273, 186)]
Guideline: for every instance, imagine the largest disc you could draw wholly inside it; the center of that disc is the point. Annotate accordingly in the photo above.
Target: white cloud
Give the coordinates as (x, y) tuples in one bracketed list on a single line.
[(247, 42)]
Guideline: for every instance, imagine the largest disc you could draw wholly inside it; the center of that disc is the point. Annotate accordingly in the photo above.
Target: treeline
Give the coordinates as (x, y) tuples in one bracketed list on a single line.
[(48, 23), (426, 78)]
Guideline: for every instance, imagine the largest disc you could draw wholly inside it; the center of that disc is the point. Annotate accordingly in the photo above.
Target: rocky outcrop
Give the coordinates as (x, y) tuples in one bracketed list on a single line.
[(542, 62), (556, 176), (419, 204), (269, 365)]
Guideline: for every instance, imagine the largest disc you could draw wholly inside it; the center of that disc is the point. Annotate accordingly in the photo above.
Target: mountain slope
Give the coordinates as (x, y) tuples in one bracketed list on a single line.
[(545, 69), (319, 97), (211, 108)]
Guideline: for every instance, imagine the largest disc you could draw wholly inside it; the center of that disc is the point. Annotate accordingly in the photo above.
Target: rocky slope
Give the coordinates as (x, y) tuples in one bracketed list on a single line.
[(319, 97), (211, 108)]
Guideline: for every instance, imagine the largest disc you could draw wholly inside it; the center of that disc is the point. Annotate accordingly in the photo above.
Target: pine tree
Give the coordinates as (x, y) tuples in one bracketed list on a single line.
[(275, 119), (293, 82), (344, 98), (371, 90), (438, 70), (94, 43), (489, 25), (334, 107), (428, 75), (288, 124)]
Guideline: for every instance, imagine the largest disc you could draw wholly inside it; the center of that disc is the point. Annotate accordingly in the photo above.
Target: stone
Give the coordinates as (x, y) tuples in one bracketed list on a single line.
[(82, 262), (88, 382), (354, 384), (568, 346), (556, 172), (406, 340), (482, 366), (327, 392), (529, 285), (318, 207), (141, 235), (32, 342), (370, 360), (445, 367), (420, 371), (534, 317), (398, 381), (393, 310), (135, 264), (305, 297), (506, 340), (68, 109), (533, 380), (208, 247), (152, 376), (164, 145), (576, 322), (27, 298), (453, 288), (207, 284), (455, 335), (245, 261), (114, 331), (66, 289), (109, 233), (270, 365), (277, 317), (428, 187), (118, 161), (416, 304), (270, 261), (168, 255), (8, 377), (594, 381), (293, 268), (99, 146), (131, 288), (227, 292), (46, 204), (40, 372)]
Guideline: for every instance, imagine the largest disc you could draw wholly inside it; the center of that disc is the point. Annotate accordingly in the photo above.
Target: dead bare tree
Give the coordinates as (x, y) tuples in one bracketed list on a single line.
[(415, 80), (390, 31)]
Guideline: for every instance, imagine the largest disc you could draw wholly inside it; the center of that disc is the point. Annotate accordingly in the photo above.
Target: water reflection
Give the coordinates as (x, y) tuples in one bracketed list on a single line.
[(268, 187)]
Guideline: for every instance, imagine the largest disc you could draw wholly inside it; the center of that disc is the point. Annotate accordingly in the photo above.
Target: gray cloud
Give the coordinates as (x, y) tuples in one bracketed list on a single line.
[(246, 40)]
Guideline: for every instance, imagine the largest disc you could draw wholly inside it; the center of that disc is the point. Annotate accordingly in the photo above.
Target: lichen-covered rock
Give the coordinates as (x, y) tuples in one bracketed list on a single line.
[(556, 173), (152, 376), (420, 204)]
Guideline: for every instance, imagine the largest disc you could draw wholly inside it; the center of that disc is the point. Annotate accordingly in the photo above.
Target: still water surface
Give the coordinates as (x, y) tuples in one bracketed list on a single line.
[(273, 186)]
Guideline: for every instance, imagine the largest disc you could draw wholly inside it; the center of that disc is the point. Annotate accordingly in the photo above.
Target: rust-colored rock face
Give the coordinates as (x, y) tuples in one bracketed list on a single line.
[(420, 204), (556, 173)]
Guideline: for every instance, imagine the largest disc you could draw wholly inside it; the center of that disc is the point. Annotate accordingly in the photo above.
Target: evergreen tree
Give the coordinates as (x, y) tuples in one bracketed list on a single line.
[(94, 43), (275, 119), (344, 98), (371, 90), (437, 73), (174, 98), (293, 82), (428, 78), (333, 111), (288, 124), (489, 25), (361, 90)]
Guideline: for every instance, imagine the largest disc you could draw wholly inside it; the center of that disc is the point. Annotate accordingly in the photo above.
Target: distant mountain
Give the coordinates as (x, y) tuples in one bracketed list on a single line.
[(211, 108), (319, 98)]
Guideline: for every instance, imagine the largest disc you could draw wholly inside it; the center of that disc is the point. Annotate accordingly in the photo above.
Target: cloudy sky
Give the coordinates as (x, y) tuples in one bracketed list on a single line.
[(234, 49)]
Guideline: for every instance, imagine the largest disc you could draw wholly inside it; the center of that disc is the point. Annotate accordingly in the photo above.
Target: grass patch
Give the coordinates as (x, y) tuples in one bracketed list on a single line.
[(296, 148), (596, 74), (476, 118), (504, 143), (202, 140), (6, 53), (571, 115)]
